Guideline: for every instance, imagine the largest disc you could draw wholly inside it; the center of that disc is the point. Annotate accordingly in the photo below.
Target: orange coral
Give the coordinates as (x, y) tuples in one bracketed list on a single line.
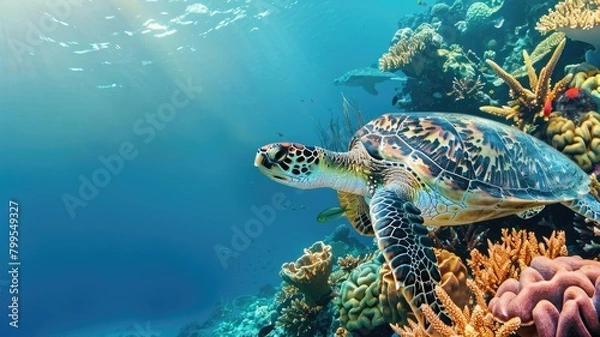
[(467, 323), (506, 260)]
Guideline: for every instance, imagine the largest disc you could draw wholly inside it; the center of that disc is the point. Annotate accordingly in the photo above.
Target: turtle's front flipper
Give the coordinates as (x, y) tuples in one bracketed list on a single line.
[(403, 240), (586, 206)]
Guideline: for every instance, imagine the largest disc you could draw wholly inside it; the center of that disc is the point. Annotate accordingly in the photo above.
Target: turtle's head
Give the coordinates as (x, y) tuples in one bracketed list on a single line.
[(290, 164), (307, 167)]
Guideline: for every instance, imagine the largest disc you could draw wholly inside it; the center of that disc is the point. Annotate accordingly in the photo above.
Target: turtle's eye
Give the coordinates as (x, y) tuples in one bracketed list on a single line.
[(278, 154)]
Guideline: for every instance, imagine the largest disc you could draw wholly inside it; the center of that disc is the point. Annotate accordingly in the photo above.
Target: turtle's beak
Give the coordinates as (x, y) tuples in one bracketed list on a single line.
[(268, 161)]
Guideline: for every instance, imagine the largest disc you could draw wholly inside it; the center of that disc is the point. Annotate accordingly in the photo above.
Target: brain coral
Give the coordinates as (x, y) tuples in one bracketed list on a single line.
[(554, 297), (369, 298), (359, 303), (580, 142)]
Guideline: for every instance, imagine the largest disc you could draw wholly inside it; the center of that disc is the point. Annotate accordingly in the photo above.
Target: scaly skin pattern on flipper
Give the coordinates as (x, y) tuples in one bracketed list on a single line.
[(408, 250), (471, 169)]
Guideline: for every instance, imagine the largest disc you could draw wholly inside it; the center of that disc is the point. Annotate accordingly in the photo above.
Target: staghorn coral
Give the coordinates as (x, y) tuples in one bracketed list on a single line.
[(310, 273), (554, 297), (539, 52), (526, 108), (578, 138), (578, 19), (506, 260), (297, 319), (409, 52), (477, 322)]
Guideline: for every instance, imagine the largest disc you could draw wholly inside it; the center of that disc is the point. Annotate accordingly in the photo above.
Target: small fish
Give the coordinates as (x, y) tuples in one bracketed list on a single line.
[(265, 331), (279, 134), (572, 93), (395, 100), (548, 106), (331, 213), (421, 3)]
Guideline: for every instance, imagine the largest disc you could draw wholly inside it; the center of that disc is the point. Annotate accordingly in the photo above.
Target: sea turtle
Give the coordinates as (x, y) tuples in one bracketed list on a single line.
[(366, 78), (407, 170)]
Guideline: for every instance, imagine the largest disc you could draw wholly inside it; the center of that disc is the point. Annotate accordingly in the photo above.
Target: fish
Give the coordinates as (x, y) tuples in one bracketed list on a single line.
[(421, 3), (572, 93), (331, 213), (548, 106), (266, 330)]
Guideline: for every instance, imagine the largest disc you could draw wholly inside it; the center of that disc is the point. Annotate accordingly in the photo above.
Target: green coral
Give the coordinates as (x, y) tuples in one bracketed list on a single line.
[(479, 15), (359, 298)]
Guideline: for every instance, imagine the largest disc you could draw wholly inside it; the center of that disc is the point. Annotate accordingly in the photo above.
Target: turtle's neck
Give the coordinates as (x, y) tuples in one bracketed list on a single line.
[(342, 171)]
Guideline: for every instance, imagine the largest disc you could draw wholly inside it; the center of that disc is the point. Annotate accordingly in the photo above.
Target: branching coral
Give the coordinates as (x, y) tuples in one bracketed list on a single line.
[(553, 297), (540, 51), (310, 273), (464, 88), (467, 323), (297, 318), (526, 108), (407, 53), (578, 19), (506, 260)]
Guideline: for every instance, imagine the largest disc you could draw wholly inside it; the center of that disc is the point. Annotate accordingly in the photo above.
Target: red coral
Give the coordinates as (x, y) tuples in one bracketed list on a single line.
[(553, 298)]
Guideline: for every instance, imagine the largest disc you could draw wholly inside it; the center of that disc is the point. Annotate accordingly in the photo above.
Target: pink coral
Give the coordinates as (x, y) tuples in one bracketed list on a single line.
[(554, 297)]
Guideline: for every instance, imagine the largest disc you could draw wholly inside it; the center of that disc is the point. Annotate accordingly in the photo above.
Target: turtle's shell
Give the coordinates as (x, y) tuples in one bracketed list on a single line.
[(455, 154)]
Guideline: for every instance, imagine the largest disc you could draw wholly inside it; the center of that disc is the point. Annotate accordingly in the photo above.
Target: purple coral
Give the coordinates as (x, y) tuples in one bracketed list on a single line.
[(554, 297)]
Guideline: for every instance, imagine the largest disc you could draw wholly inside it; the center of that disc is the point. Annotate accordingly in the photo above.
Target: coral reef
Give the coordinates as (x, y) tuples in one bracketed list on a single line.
[(297, 319), (527, 109), (553, 297), (506, 260), (411, 51), (310, 273), (476, 322), (369, 297), (578, 19), (580, 142)]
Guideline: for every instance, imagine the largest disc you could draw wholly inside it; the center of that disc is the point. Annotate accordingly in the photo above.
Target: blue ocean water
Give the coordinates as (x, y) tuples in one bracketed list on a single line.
[(121, 214)]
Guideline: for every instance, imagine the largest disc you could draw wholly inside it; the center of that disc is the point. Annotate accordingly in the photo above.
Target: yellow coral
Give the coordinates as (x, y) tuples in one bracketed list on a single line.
[(310, 273), (406, 54), (580, 142), (578, 19), (506, 260)]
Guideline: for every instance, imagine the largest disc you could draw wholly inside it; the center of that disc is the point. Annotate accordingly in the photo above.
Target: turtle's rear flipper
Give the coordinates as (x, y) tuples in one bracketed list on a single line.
[(403, 240), (586, 206)]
